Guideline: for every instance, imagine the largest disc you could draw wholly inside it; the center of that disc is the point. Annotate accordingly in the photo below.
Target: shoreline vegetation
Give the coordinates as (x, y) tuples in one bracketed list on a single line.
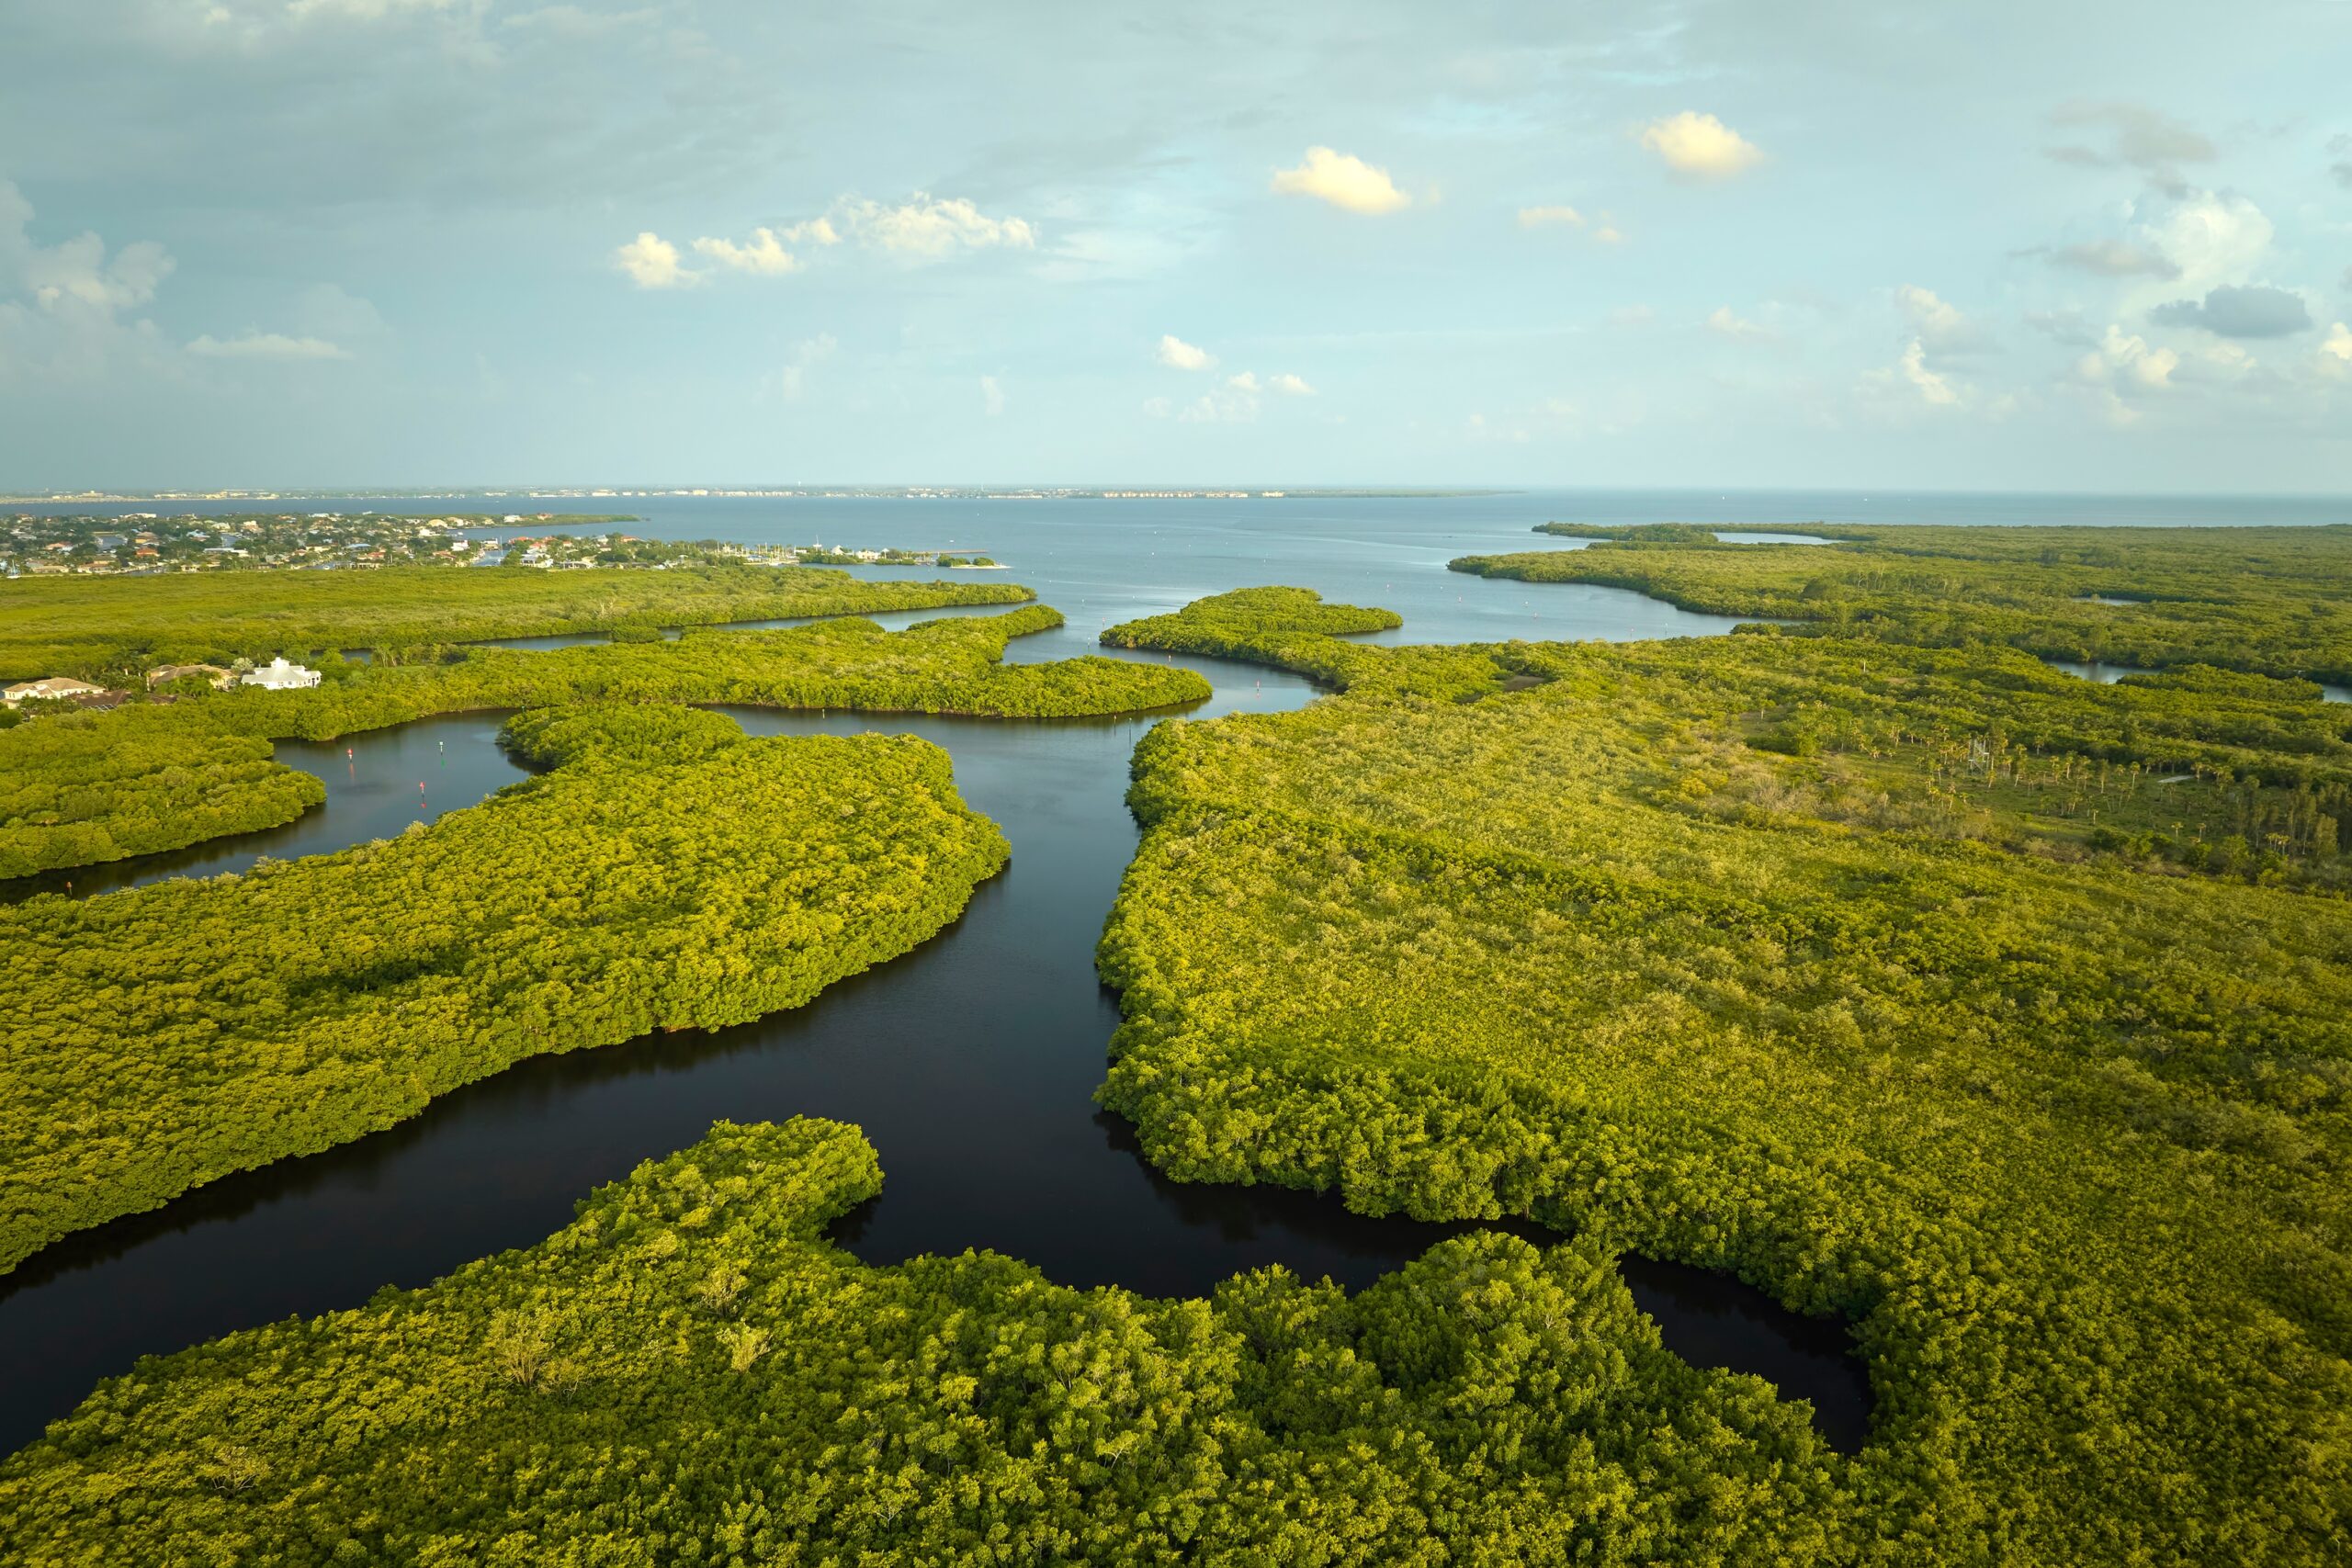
[(85, 787), (118, 628), (690, 1372), (1804, 957), (2264, 601), (190, 1028)]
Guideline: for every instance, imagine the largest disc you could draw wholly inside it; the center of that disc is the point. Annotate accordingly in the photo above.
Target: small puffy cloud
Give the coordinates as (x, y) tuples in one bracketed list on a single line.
[(1739, 329), (1930, 386), (2336, 351), (651, 262), (2214, 236), (929, 227), (1291, 386), (1935, 323), (1632, 316), (75, 272), (2239, 312), (925, 228), (1178, 355), (992, 397), (1911, 381), (266, 345), (763, 254), (1699, 146), (2126, 359), (1345, 182), (1609, 234), (2122, 368), (62, 306), (2114, 258)]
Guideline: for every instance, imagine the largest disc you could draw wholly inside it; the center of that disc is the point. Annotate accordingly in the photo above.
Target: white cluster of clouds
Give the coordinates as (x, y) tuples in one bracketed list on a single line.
[(923, 228), (70, 310), (1344, 181), (1234, 400), (1701, 147), (1178, 355)]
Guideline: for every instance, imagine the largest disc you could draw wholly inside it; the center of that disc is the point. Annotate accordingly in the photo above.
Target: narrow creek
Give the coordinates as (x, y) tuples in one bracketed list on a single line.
[(970, 1063)]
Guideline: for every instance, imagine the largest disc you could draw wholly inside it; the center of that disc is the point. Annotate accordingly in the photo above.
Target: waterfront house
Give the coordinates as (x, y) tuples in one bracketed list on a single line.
[(50, 686), (221, 679), (278, 675)]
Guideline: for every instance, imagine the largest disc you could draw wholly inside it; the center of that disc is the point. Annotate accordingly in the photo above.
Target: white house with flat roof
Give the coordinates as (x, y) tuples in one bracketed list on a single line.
[(277, 675)]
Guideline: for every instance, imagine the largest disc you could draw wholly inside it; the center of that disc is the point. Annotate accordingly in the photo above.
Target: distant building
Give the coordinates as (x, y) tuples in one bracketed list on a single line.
[(50, 686), (278, 675), (221, 679)]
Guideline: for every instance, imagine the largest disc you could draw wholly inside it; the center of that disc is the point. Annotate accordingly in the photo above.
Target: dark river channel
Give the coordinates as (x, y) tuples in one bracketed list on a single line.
[(971, 1064)]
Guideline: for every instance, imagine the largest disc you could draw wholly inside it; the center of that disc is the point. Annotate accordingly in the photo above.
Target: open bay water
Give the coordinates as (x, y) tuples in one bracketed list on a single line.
[(1101, 561)]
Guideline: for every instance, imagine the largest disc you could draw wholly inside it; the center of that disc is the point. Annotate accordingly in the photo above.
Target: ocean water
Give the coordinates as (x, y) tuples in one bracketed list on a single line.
[(1103, 561)]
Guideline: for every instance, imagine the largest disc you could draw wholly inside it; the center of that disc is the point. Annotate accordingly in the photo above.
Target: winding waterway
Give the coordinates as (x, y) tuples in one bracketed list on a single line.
[(971, 1064)]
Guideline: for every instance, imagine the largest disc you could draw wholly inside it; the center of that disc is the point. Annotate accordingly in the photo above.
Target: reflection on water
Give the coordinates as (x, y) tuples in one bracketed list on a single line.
[(888, 620), (971, 1062), (378, 782), (2105, 675)]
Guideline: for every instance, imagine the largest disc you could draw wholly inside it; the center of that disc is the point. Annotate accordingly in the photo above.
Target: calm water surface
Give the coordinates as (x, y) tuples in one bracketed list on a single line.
[(970, 1063)]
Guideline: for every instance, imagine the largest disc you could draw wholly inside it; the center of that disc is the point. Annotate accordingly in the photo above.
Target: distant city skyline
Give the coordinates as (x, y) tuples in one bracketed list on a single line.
[(341, 244)]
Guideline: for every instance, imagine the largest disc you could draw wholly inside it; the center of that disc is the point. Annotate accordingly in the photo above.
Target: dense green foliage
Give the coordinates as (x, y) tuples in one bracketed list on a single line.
[(182, 749), (110, 628), (950, 665), (2065, 1134), (174, 1033), (688, 1374), (2004, 1014), (78, 789), (621, 735), (1290, 627), (2271, 601)]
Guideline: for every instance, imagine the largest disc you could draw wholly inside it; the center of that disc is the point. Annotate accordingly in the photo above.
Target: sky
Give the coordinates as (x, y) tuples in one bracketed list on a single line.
[(411, 243)]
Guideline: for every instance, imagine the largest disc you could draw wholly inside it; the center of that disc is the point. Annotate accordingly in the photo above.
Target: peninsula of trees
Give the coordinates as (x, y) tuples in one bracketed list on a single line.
[(190, 1029), (115, 629), (1816, 959), (84, 787)]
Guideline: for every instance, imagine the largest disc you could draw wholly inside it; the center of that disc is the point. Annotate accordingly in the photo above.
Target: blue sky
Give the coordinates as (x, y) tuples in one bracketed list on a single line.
[(421, 242)]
